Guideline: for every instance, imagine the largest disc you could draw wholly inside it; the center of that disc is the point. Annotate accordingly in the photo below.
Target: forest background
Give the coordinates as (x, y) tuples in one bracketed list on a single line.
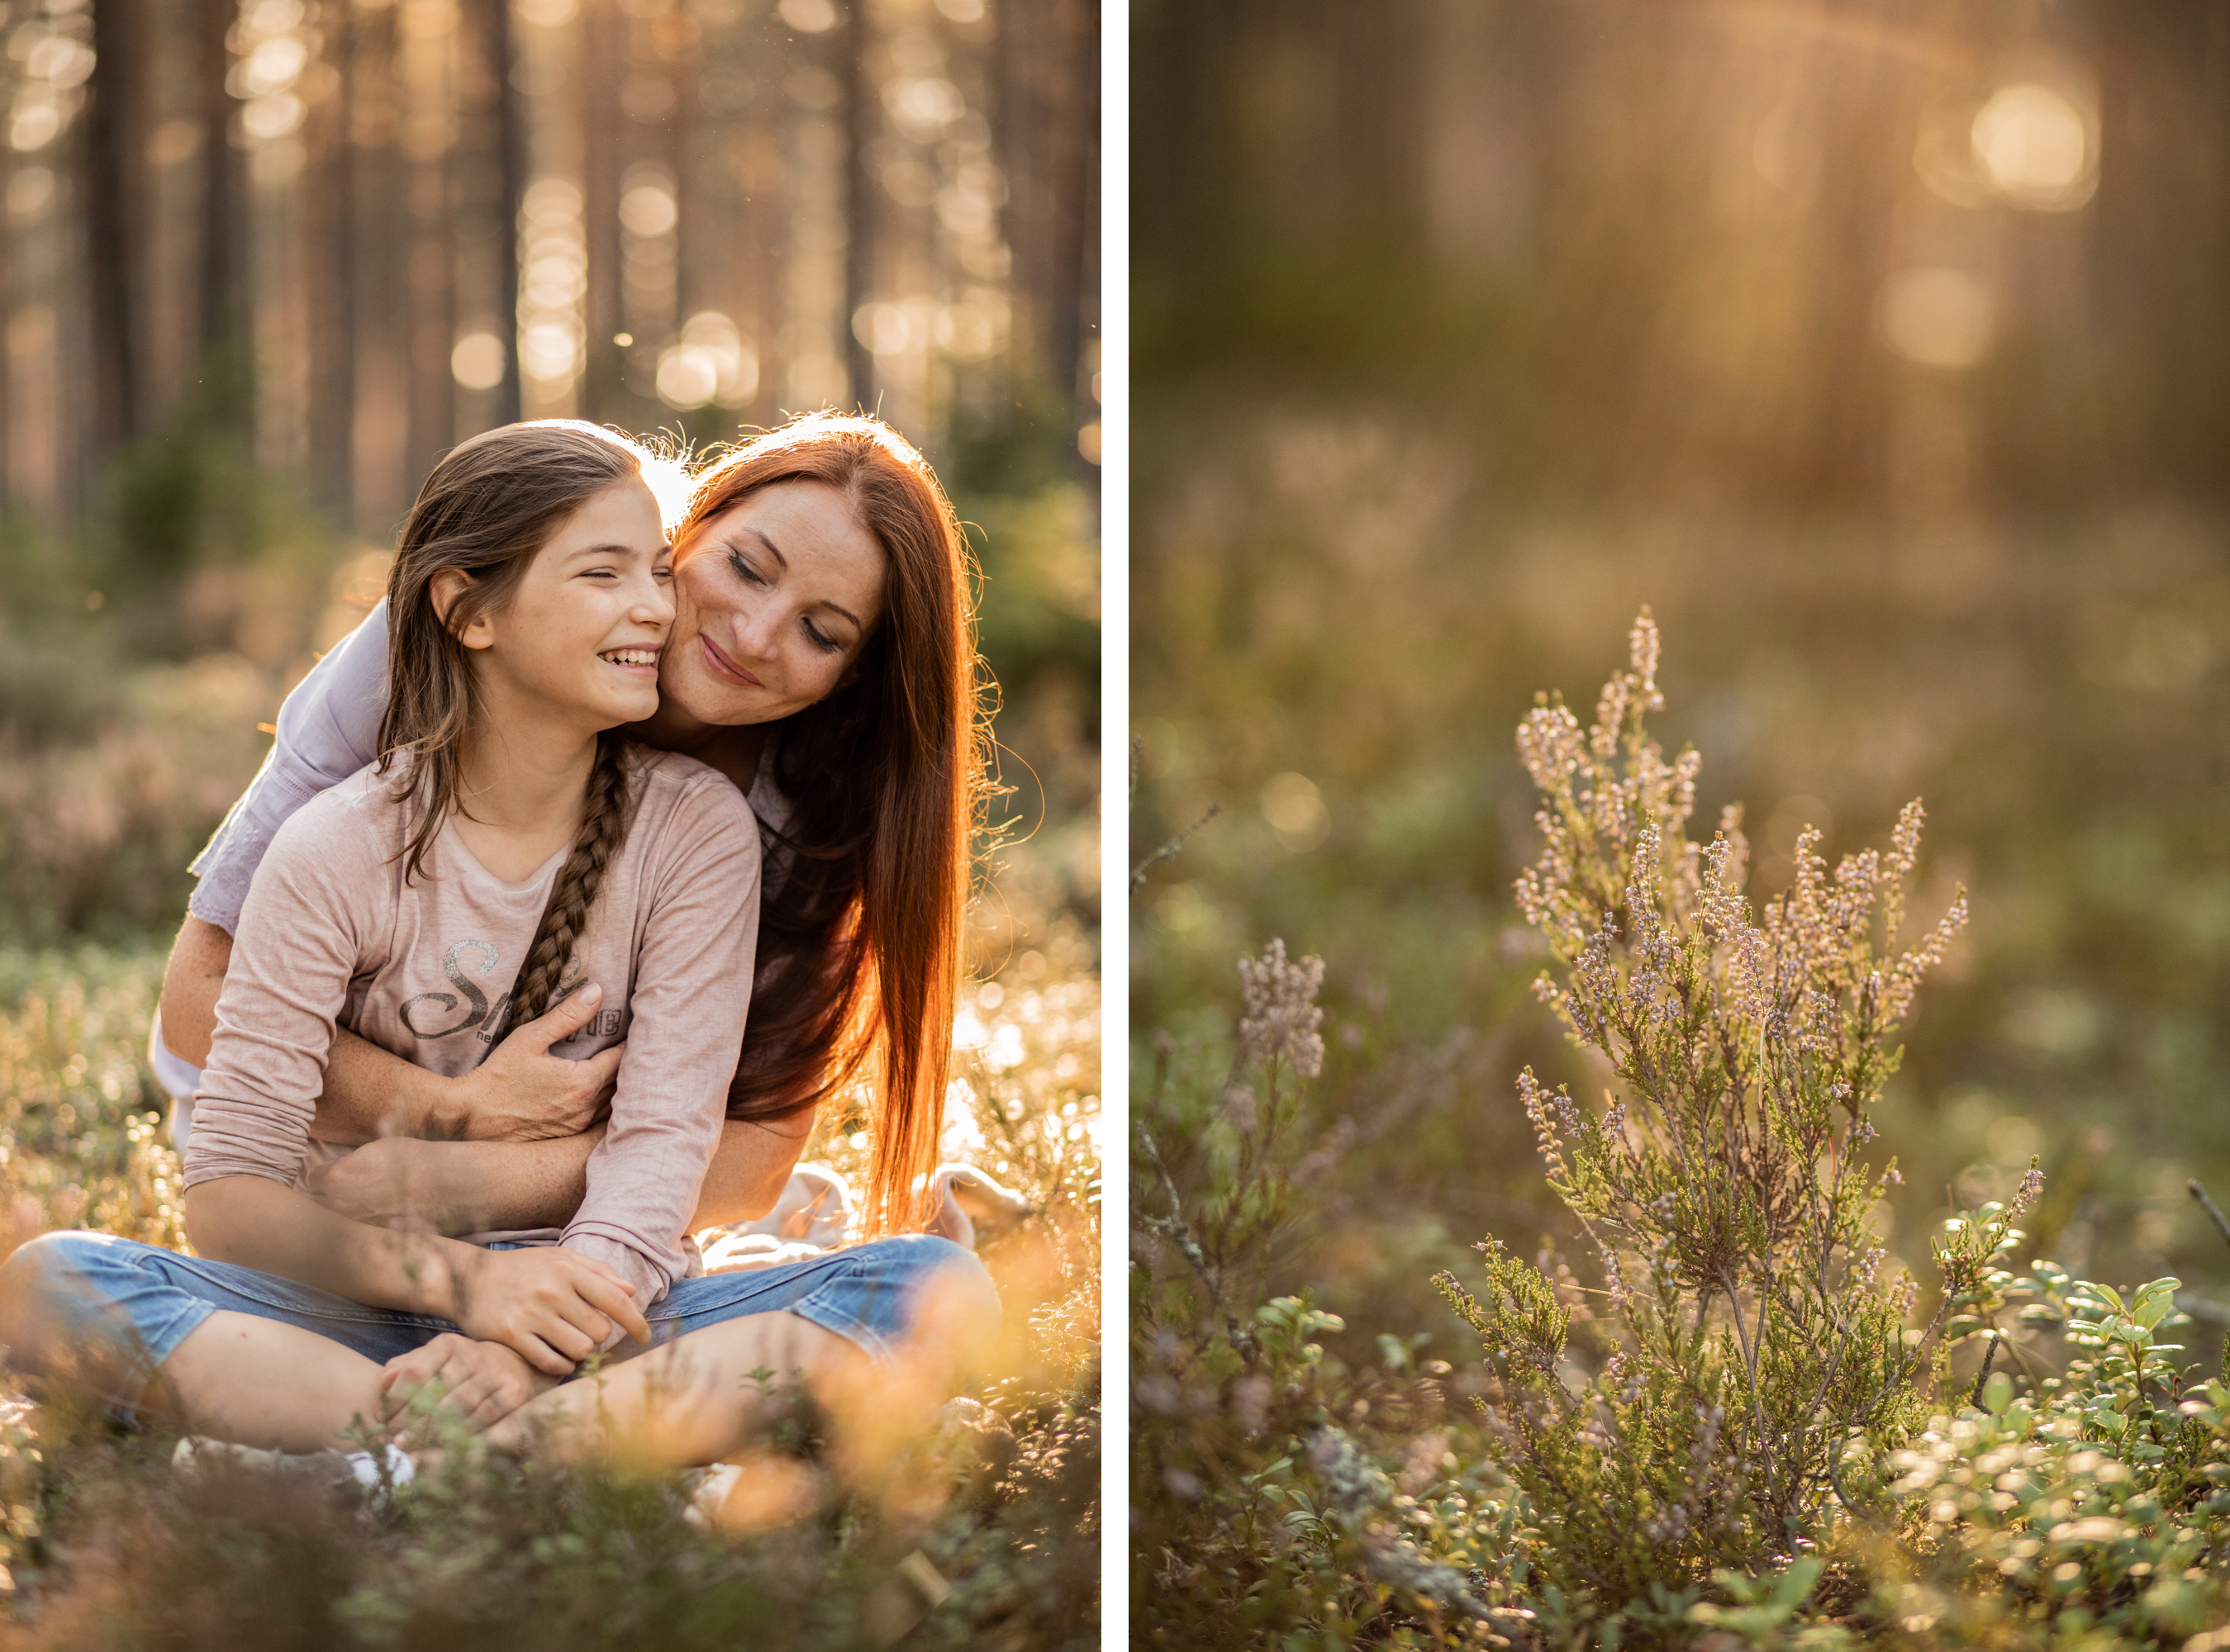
[(1880, 347), (261, 261)]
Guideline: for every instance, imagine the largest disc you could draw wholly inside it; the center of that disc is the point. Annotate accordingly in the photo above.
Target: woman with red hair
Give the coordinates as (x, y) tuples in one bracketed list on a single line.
[(822, 658)]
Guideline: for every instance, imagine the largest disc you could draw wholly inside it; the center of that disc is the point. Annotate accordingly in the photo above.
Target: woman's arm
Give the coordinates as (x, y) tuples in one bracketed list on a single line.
[(482, 1186), (750, 1169), (191, 981), (328, 729), (520, 1093)]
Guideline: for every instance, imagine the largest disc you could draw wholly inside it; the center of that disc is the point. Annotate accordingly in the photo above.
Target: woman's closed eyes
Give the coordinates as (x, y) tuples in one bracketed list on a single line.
[(750, 576)]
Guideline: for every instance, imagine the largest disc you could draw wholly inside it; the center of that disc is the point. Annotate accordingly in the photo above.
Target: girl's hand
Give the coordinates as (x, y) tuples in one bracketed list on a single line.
[(483, 1382), (550, 1306), (523, 1093)]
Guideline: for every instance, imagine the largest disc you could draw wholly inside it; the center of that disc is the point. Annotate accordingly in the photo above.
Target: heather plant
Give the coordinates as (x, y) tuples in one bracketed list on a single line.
[(1259, 1507), (1745, 1328)]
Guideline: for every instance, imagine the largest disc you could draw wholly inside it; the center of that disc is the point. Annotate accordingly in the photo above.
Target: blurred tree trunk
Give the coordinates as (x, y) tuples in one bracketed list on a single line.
[(383, 291), (430, 88), (1075, 120), (225, 378), (433, 288), (491, 29), (1048, 87), (106, 131), (7, 355), (603, 51), (760, 175), (676, 34), (859, 112), (336, 294)]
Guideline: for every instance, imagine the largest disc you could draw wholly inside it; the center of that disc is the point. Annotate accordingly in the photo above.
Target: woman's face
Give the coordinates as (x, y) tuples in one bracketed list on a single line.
[(775, 598)]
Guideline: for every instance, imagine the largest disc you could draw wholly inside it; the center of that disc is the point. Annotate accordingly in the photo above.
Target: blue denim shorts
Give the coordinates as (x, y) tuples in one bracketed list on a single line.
[(112, 1310)]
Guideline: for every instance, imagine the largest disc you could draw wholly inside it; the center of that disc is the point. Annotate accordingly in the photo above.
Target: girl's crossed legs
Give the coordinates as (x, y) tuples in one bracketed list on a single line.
[(249, 1357)]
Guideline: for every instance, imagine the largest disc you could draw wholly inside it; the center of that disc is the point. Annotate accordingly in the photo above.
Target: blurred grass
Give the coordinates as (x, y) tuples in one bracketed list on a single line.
[(1340, 626), (101, 1544)]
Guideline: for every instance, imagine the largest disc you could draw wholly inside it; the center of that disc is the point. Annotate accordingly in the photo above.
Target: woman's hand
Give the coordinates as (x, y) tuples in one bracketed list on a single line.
[(523, 1093), (550, 1306), (482, 1382)]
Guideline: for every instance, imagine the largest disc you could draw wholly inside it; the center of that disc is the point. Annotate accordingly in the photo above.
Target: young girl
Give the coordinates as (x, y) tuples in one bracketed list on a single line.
[(506, 850)]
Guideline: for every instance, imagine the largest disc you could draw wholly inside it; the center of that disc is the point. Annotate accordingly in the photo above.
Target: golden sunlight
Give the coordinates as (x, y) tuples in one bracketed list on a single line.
[(2037, 148)]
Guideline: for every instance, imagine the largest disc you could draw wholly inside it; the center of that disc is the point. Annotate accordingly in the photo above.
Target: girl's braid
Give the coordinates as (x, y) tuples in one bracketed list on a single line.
[(603, 824)]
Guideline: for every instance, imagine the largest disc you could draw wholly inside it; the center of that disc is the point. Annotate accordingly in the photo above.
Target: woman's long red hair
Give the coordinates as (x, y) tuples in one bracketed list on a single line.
[(860, 932)]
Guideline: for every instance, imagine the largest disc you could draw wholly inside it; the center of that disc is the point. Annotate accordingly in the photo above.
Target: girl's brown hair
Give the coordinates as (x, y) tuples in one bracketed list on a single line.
[(487, 509), (860, 927)]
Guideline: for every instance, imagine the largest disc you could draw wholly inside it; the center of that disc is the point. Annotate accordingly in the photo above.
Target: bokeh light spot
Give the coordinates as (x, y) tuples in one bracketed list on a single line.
[(1937, 318), (809, 16), (273, 115), (647, 209), (1296, 812), (2036, 148), (477, 363), (2032, 139)]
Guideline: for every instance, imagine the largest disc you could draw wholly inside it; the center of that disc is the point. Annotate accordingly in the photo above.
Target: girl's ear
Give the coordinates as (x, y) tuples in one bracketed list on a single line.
[(445, 588)]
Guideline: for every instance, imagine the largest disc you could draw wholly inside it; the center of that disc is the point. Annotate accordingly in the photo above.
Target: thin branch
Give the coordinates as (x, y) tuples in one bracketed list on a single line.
[(1989, 1359), (1181, 1235), (2214, 1211), (1171, 849)]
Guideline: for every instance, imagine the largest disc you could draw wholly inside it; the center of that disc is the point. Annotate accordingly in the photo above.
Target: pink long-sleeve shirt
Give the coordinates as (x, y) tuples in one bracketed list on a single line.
[(331, 935)]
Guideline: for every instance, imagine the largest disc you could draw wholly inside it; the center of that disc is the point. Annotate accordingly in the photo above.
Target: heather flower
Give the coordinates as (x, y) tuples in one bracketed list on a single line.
[(1282, 1019), (1536, 1102), (1616, 1280), (2024, 1195), (1241, 1107)]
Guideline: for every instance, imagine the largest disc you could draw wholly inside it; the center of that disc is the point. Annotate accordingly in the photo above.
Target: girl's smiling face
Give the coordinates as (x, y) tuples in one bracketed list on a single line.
[(578, 638), (775, 599)]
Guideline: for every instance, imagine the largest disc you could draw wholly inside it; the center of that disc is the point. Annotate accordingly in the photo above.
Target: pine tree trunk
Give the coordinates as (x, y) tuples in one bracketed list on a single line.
[(859, 197), (333, 334), (603, 47), (511, 165), (224, 376), (105, 133), (427, 80), (1076, 116)]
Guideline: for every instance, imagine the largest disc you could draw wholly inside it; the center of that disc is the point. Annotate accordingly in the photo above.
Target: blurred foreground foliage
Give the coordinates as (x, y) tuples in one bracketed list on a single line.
[(103, 1542), (1757, 1430)]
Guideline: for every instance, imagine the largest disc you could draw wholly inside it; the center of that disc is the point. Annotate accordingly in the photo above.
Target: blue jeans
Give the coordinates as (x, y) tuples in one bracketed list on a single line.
[(108, 1312)]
